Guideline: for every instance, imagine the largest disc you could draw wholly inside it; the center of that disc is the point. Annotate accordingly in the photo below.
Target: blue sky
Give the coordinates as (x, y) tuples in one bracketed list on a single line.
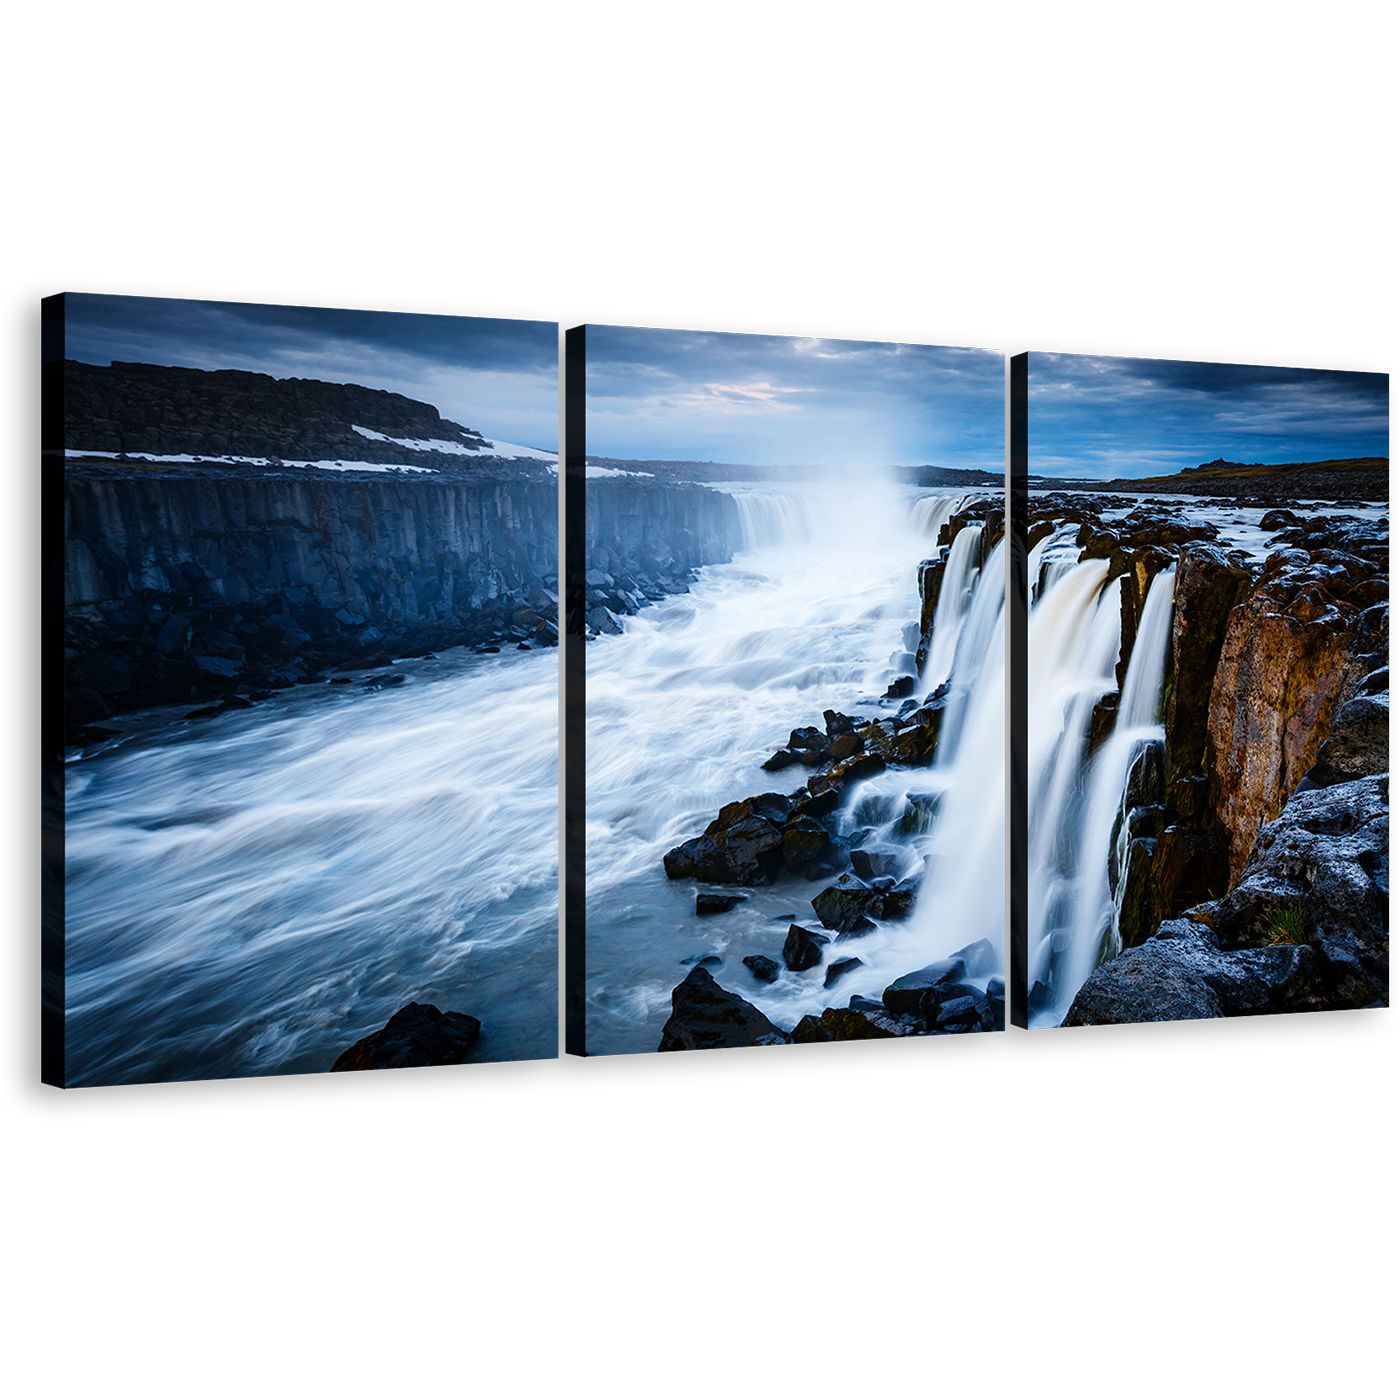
[(499, 377), (1100, 417), (768, 400)]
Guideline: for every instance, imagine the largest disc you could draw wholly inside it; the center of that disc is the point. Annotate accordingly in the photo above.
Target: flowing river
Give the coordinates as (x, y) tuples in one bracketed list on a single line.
[(251, 894)]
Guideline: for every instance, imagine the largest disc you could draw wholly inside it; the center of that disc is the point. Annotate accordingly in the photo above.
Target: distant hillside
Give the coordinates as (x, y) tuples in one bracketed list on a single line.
[(162, 410), (1343, 479), (1361, 478), (732, 471)]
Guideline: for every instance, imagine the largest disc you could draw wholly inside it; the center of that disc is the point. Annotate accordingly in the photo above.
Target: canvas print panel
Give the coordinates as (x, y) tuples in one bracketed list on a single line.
[(789, 612), (1207, 690), (309, 710)]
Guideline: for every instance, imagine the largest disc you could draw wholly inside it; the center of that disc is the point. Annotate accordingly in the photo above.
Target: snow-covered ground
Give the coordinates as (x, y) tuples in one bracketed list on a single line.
[(493, 448), (176, 458), (1238, 525)]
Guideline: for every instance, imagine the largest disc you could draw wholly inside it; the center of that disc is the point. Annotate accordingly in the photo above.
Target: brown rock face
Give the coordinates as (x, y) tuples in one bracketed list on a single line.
[(1208, 585), (1285, 666)]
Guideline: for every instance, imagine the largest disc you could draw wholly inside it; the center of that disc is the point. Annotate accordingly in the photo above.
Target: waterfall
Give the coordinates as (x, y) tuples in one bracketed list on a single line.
[(931, 513), (954, 598), (699, 690), (770, 518), (1073, 643)]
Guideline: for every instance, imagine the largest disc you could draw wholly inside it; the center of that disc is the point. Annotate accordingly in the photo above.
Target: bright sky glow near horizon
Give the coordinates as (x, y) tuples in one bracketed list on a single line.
[(498, 377), (1100, 417), (770, 400)]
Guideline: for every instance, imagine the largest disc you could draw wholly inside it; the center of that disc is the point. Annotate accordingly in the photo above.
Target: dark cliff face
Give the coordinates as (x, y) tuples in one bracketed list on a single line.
[(184, 587), (643, 523), (162, 410), (179, 588)]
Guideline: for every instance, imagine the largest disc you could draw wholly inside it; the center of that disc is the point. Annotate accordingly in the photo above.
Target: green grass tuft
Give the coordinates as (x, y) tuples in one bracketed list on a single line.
[(1286, 925)]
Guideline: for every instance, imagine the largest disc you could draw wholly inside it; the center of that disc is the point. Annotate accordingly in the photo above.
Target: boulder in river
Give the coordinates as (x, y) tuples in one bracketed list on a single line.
[(416, 1035), (750, 852), (848, 1023), (707, 902), (765, 969), (706, 1017), (803, 948)]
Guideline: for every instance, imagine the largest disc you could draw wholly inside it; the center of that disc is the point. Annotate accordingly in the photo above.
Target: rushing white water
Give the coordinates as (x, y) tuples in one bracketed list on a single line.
[(954, 599), (251, 894), (772, 518), (700, 689), (1073, 645)]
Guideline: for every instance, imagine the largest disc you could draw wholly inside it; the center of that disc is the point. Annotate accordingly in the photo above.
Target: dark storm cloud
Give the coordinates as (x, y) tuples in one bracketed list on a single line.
[(790, 400), (497, 376), (1102, 417)]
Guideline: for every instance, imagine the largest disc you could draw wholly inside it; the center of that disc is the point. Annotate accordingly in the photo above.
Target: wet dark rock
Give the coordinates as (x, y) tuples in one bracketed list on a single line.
[(102, 671), (837, 1023), (750, 852), (1102, 719), (804, 840), (1180, 974), (817, 804), (803, 948), (900, 687), (1134, 890), (979, 959), (837, 723), (1326, 860), (845, 905), (846, 746), (708, 903), (838, 969), (706, 1017), (784, 758), (1359, 744), (966, 1012), (898, 902), (911, 994), (770, 806), (765, 969), (870, 862), (601, 620), (996, 1001), (703, 960), (416, 1035), (840, 775)]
